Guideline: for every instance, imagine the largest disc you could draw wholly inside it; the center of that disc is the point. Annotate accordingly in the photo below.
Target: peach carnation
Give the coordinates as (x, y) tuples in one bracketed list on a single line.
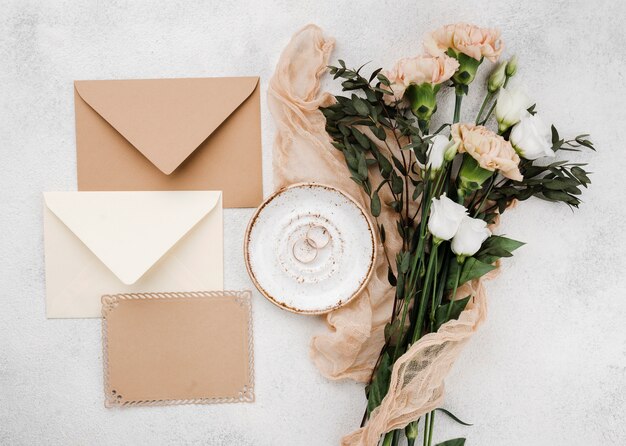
[(491, 151), (418, 70), (467, 39)]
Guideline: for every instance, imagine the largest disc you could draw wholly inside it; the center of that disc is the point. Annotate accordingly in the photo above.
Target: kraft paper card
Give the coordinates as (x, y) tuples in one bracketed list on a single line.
[(171, 134), (99, 243), (177, 348)]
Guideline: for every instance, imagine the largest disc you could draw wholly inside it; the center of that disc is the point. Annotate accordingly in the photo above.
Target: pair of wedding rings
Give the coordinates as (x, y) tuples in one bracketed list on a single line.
[(305, 249)]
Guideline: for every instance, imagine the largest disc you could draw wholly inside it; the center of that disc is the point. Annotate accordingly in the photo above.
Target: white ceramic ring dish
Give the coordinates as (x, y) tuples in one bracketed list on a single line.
[(310, 248)]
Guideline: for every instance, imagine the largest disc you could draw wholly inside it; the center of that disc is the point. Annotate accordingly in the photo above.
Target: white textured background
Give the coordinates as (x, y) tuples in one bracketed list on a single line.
[(548, 368)]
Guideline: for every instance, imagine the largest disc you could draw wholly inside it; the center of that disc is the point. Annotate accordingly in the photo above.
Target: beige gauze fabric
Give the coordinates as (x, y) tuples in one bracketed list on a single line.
[(303, 153), (350, 349)]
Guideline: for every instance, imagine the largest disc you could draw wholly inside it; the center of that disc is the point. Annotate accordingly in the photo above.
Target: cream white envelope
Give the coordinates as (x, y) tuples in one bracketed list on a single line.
[(100, 243)]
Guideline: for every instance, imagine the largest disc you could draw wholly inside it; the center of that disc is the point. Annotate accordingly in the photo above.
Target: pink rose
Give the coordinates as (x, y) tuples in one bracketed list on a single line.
[(491, 151), (467, 39), (418, 70)]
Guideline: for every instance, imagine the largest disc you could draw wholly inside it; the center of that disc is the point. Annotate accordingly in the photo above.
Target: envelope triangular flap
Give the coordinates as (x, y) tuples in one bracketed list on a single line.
[(166, 119), (130, 231)]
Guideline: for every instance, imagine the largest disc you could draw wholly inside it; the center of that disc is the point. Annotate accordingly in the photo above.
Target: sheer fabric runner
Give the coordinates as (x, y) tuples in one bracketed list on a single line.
[(350, 348)]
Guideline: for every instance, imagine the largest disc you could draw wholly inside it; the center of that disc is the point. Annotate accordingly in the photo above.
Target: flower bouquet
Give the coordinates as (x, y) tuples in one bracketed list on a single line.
[(441, 191)]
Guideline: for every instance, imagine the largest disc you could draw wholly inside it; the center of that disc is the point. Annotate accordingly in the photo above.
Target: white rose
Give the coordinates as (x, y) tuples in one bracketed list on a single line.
[(531, 138), (445, 217), (511, 107), (470, 236)]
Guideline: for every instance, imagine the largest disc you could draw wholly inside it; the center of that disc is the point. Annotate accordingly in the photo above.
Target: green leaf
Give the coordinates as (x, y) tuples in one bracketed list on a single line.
[(454, 417), (379, 132), (375, 205), (375, 73), (453, 442), (498, 246), (396, 183), (385, 166), (470, 270), (406, 261), (383, 79), (580, 175), (555, 135), (555, 195), (351, 160), (360, 138), (492, 254), (419, 188), (377, 390), (362, 165), (391, 277), (400, 287), (360, 106), (371, 96), (442, 311), (473, 269), (399, 165)]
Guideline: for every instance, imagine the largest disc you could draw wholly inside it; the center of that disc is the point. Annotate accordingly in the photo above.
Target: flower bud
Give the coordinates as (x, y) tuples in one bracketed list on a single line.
[(471, 176), (451, 151), (497, 78), (440, 151), (511, 106), (411, 431), (511, 66), (422, 99), (436, 152), (468, 66)]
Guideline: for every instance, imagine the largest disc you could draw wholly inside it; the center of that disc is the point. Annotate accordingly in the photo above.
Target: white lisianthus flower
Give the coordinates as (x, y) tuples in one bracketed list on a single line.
[(511, 107), (445, 217), (531, 138), (440, 150), (470, 236)]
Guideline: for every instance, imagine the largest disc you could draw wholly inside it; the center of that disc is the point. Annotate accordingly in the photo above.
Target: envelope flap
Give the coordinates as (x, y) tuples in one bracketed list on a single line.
[(130, 231), (166, 119)]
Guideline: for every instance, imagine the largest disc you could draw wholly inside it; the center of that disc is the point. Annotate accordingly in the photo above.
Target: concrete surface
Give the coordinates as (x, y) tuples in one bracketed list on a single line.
[(548, 368)]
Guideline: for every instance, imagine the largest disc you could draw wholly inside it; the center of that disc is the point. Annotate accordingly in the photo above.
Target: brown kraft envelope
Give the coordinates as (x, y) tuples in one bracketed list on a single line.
[(177, 348), (171, 134)]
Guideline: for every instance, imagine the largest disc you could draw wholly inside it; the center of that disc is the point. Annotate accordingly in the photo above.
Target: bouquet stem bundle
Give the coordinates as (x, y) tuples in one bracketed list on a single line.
[(446, 187)]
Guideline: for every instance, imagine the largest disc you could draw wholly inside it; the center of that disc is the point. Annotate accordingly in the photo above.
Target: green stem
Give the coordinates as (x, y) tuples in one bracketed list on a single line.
[(488, 97), (456, 285), (426, 428), (457, 108), (411, 432), (434, 296), (431, 428), (442, 287), (417, 330), (493, 106), (482, 203), (388, 439)]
